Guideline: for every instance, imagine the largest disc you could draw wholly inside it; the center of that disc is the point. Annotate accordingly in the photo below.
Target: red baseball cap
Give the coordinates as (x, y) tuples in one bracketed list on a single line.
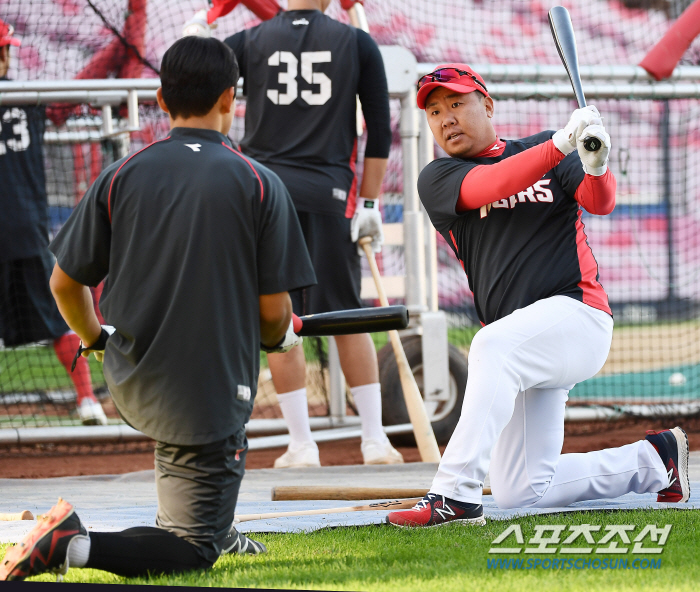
[(457, 77), (6, 32)]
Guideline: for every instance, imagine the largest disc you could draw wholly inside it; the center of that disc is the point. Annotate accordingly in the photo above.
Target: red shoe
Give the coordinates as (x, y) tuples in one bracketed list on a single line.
[(437, 510), (45, 548), (672, 446)]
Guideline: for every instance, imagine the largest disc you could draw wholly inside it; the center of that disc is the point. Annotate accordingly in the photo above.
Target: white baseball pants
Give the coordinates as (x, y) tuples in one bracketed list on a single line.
[(521, 369)]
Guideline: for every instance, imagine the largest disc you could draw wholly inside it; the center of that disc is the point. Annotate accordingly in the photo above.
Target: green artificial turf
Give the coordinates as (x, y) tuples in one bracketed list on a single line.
[(36, 368), (384, 558)]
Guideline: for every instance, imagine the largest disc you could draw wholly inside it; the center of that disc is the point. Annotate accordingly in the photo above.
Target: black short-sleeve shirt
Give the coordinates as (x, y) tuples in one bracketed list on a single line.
[(517, 250), (302, 72), (23, 206), (188, 232)]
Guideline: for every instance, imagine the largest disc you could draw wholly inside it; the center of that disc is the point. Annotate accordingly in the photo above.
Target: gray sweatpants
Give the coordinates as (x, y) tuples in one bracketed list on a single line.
[(198, 488)]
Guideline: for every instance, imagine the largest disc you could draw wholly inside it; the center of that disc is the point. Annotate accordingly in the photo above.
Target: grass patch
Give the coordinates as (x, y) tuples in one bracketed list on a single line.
[(36, 368), (386, 559)]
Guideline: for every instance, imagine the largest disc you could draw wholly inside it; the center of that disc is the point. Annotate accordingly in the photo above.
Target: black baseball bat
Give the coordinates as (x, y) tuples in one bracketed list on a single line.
[(563, 33), (347, 322)]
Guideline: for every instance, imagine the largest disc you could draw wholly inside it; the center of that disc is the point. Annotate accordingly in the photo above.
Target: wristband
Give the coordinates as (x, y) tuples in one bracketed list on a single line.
[(99, 345), (365, 203)]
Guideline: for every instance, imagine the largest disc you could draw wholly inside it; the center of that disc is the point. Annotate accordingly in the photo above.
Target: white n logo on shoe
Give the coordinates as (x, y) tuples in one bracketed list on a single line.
[(670, 480), (445, 510)]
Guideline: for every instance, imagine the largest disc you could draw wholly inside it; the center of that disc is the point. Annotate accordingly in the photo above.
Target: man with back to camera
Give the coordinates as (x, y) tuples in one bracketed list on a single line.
[(302, 72), (200, 246), (28, 312), (510, 211)]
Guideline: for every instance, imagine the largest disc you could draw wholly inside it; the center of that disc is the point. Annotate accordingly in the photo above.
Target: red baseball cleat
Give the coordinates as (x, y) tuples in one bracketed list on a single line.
[(45, 548), (672, 446), (437, 510)]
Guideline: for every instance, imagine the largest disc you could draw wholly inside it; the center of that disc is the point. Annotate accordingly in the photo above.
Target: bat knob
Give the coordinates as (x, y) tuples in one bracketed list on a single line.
[(592, 144), (365, 240)]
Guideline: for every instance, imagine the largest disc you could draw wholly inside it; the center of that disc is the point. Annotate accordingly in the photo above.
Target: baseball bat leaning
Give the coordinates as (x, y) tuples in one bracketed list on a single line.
[(26, 515), (422, 430), (563, 34), (390, 505), (330, 492), (345, 322)]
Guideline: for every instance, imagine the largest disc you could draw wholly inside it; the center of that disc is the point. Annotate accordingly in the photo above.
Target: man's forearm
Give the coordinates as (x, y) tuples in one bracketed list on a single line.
[(75, 305), (372, 177)]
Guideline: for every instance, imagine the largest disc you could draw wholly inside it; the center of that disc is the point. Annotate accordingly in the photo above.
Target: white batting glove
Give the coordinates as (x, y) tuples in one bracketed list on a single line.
[(197, 26), (289, 340), (565, 139), (594, 163), (367, 221)]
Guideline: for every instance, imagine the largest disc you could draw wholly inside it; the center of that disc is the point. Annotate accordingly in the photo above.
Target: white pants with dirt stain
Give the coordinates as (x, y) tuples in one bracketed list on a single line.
[(521, 369)]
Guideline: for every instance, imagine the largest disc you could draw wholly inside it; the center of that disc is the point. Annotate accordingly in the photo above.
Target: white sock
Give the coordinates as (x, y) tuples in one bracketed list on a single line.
[(368, 400), (79, 551), (295, 409)]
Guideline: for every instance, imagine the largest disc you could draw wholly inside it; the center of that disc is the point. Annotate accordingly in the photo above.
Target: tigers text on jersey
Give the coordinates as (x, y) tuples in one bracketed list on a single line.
[(302, 73), (23, 206), (518, 250)]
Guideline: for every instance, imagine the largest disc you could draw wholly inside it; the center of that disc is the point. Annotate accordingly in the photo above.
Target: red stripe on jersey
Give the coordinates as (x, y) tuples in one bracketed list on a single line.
[(593, 293), (250, 164), (109, 195), (352, 194), (454, 242)]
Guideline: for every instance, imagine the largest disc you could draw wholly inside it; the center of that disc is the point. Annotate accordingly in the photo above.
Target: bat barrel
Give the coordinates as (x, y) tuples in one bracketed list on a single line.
[(348, 322)]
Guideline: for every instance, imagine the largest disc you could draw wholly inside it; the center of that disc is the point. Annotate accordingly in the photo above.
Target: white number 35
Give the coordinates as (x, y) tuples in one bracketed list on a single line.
[(288, 77)]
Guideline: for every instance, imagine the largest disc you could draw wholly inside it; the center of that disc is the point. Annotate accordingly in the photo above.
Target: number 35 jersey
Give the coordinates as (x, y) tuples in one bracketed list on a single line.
[(518, 250), (302, 73), (23, 207)]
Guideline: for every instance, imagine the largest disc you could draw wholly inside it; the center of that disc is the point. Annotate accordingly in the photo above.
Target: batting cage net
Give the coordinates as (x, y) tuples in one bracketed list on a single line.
[(648, 249)]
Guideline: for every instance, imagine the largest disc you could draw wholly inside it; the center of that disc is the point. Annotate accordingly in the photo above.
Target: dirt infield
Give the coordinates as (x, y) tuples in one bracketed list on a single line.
[(63, 461)]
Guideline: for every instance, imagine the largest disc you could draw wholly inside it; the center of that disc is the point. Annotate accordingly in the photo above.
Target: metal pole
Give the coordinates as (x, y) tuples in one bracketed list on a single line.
[(426, 154), (133, 106), (337, 384), (412, 216), (666, 164)]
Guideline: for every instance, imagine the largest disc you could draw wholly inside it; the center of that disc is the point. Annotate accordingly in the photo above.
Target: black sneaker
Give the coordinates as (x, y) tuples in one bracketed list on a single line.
[(438, 510), (45, 548), (672, 446), (237, 543)]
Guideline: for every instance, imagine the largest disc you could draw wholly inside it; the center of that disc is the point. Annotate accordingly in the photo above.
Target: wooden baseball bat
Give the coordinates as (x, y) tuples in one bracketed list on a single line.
[(563, 33), (390, 505), (422, 430), (330, 492), (359, 320), (26, 515)]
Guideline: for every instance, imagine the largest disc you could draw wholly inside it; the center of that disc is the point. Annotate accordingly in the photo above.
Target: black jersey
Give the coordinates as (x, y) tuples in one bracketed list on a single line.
[(517, 250), (23, 206), (302, 72), (191, 232)]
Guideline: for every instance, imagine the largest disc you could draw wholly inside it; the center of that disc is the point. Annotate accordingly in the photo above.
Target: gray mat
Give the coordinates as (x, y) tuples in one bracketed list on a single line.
[(116, 502)]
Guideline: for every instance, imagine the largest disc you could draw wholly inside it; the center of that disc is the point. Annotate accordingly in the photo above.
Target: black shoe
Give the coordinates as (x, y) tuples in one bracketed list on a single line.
[(237, 543), (45, 548), (672, 446), (437, 510)]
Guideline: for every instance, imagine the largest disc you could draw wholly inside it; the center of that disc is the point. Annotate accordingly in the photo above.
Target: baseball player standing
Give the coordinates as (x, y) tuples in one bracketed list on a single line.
[(302, 72), (200, 245), (511, 211), (28, 312)]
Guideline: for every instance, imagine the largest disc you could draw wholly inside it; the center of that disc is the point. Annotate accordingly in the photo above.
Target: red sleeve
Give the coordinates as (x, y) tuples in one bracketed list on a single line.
[(597, 194), (485, 184)]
